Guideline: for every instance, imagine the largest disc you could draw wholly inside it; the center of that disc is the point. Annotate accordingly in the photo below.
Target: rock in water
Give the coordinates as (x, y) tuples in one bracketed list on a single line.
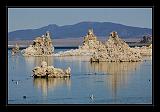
[(41, 46), (50, 71), (24, 97), (90, 41), (90, 44), (15, 49), (115, 50)]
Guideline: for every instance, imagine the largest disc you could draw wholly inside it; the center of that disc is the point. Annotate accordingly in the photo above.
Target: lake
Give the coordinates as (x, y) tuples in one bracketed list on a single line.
[(108, 83)]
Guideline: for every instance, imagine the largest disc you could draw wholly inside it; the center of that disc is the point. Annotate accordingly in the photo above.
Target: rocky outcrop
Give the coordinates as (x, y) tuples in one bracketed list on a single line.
[(90, 41), (15, 49), (41, 46), (50, 71), (115, 50), (90, 44)]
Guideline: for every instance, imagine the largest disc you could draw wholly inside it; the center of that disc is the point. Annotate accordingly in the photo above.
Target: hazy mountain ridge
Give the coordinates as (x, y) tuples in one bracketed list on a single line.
[(101, 29)]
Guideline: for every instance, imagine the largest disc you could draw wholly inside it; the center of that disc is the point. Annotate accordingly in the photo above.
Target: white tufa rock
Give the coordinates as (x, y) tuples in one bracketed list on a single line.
[(42, 46), (144, 50), (115, 50), (90, 44), (50, 71)]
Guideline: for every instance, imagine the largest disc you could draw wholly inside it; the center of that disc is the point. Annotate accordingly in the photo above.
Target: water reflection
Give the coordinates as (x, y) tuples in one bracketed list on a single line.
[(46, 84), (119, 73), (74, 58), (16, 60), (147, 58), (36, 61)]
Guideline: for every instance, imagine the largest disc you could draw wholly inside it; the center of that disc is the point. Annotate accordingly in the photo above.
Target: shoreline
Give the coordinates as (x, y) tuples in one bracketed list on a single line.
[(71, 43), (131, 44), (56, 47)]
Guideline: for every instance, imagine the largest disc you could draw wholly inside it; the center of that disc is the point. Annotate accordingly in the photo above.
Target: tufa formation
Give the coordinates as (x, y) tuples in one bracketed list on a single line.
[(15, 49), (90, 44), (145, 50), (115, 50), (50, 71), (41, 46), (90, 41)]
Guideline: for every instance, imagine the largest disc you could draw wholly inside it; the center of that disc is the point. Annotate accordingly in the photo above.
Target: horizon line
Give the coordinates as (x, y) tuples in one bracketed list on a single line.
[(78, 23)]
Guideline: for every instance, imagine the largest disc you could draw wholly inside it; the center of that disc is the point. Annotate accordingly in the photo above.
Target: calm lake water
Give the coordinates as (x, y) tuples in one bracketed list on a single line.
[(109, 83)]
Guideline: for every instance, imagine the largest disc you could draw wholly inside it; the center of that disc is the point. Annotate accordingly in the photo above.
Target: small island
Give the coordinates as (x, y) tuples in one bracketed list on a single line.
[(45, 71), (115, 50)]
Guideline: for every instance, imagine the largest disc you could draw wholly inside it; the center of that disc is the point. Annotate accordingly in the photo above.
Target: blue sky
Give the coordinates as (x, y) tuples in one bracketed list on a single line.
[(32, 18)]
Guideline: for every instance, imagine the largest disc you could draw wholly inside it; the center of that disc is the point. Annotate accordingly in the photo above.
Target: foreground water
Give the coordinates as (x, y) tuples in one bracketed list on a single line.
[(108, 83)]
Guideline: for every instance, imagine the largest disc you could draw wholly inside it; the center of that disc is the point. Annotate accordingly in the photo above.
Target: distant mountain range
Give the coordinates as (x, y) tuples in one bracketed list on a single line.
[(101, 30)]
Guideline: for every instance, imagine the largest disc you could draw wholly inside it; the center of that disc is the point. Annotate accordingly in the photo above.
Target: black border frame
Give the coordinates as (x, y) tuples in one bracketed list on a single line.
[(118, 107)]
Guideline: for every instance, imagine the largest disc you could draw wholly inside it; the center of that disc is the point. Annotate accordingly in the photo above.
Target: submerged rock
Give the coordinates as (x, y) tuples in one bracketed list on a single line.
[(50, 71), (15, 49), (41, 46), (115, 50)]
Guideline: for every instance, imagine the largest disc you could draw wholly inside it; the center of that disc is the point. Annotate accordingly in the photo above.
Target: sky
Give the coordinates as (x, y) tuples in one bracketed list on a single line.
[(33, 18)]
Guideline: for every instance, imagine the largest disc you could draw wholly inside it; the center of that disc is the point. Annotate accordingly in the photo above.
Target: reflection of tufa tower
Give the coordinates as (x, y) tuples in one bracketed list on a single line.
[(48, 84), (120, 74)]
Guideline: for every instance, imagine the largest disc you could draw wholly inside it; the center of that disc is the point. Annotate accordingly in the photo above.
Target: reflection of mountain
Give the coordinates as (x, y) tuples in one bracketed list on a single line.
[(46, 84), (119, 73)]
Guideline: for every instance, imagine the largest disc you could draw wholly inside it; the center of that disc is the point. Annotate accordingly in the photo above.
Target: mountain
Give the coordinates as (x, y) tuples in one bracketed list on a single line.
[(101, 29)]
